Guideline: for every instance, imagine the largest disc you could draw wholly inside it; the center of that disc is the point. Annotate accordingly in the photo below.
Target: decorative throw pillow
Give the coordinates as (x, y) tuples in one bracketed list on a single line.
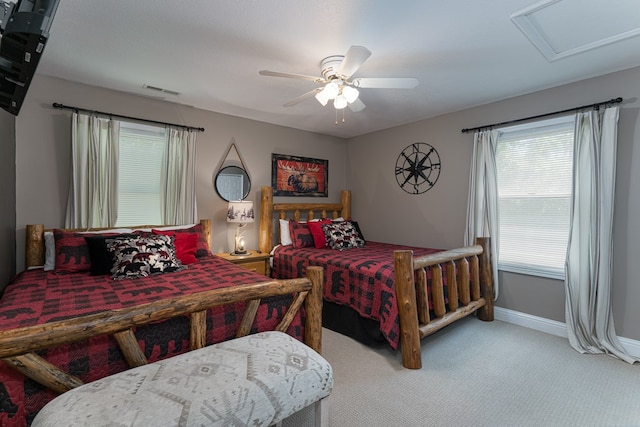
[(342, 235), (315, 227), (202, 246), (186, 245), (71, 252), (143, 256), (102, 258), (300, 235), (71, 249), (357, 227)]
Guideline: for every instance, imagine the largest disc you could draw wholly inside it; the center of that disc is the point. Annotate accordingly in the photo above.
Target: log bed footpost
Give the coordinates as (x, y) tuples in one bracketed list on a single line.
[(407, 310), (313, 310), (486, 279), (266, 220)]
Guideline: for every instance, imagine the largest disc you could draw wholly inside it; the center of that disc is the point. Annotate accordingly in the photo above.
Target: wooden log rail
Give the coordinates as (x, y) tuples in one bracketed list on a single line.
[(469, 287), (18, 346)]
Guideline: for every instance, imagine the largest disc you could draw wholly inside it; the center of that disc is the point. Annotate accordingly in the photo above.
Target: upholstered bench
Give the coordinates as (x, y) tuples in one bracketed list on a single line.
[(257, 380)]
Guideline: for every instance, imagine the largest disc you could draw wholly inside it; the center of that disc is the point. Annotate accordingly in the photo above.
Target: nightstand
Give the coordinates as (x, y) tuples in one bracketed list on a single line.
[(253, 260)]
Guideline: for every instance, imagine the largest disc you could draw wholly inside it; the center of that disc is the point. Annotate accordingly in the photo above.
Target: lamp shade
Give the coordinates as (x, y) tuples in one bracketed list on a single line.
[(331, 90), (240, 212), (340, 102), (322, 98), (350, 93)]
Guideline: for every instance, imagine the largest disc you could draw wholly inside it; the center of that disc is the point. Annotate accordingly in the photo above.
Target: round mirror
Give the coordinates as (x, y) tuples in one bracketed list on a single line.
[(232, 183)]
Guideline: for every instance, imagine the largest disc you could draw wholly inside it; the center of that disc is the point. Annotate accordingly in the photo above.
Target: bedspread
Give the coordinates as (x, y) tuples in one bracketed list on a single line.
[(37, 297), (360, 278)]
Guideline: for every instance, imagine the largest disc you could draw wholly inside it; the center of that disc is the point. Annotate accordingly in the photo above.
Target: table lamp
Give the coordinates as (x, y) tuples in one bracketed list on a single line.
[(240, 213)]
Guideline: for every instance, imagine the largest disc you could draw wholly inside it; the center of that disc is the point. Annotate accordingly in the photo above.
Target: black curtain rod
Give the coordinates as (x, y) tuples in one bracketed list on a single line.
[(84, 110), (595, 106)]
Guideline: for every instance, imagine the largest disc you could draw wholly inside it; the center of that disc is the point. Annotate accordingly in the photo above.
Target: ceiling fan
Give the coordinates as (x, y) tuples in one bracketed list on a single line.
[(336, 80)]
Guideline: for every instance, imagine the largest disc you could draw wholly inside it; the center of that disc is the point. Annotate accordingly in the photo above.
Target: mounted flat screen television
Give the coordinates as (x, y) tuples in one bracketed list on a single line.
[(24, 31)]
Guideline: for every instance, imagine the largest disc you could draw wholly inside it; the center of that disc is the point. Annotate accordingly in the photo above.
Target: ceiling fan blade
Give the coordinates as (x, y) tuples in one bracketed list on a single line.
[(301, 98), (356, 105), (291, 76), (386, 83), (355, 57)]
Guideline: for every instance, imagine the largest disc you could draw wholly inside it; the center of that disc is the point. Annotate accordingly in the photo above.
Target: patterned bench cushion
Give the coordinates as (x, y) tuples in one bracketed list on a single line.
[(256, 380)]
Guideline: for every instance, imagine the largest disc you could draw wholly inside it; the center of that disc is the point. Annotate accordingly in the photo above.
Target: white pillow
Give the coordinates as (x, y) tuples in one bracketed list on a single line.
[(285, 234), (111, 230), (49, 251)]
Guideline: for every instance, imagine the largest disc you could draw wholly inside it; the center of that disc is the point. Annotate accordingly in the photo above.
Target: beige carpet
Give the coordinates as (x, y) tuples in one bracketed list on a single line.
[(481, 374)]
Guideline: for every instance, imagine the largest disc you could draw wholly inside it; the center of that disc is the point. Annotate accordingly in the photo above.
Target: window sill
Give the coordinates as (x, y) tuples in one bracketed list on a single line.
[(533, 271)]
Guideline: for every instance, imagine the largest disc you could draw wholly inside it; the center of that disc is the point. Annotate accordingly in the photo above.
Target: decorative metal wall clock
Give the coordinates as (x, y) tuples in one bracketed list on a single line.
[(417, 168)]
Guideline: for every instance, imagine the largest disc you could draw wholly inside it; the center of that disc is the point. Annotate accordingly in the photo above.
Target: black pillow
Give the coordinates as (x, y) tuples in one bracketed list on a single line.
[(101, 258)]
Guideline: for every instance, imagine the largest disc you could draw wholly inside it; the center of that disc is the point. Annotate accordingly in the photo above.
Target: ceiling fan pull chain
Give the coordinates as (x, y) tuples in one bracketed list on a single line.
[(336, 117)]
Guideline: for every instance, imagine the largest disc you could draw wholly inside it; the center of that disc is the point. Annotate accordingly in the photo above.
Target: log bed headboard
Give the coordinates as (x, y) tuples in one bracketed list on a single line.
[(313, 210)]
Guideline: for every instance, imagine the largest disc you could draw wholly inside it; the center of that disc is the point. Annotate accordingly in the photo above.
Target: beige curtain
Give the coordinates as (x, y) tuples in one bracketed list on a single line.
[(482, 203), (589, 262), (179, 178), (93, 190)]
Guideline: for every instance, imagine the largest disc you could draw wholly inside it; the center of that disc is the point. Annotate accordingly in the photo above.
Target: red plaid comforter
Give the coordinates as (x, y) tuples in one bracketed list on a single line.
[(361, 278), (37, 297)]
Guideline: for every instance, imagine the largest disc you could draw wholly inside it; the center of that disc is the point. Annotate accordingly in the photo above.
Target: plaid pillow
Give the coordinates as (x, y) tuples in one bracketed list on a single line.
[(143, 256), (72, 252), (342, 235), (300, 235)]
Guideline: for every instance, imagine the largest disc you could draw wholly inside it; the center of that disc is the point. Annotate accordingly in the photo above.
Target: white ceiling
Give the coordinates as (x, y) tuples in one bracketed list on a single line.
[(463, 52)]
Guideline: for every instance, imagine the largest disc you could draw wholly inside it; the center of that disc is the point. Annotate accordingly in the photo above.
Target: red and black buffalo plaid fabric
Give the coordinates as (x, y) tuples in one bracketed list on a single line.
[(37, 297), (360, 278)]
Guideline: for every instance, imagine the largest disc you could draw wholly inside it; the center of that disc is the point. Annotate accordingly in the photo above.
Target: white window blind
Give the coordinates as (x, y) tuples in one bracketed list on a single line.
[(142, 151), (534, 163)]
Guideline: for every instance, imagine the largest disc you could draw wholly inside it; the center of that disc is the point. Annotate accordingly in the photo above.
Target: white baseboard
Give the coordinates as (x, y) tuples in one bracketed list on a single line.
[(553, 327)]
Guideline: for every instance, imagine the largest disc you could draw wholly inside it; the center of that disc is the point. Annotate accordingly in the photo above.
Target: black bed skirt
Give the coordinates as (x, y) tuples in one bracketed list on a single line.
[(347, 321)]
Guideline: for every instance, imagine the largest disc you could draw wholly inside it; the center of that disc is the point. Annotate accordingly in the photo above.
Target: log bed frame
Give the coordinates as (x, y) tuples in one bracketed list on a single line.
[(18, 346), (472, 290)]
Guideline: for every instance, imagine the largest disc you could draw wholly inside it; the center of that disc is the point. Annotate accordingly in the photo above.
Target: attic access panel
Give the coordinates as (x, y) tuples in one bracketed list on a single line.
[(591, 26)]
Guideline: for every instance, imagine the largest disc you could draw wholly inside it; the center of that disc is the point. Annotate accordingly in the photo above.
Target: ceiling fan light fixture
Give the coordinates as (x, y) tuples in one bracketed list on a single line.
[(331, 90), (350, 93), (322, 98), (340, 102)]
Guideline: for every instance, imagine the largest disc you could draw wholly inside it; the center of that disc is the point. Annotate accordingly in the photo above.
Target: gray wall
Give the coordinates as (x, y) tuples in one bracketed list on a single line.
[(8, 192), (437, 217), (43, 153), (364, 164)]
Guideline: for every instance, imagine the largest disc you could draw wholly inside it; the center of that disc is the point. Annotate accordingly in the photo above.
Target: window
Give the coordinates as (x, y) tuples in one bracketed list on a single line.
[(534, 168), (141, 163)]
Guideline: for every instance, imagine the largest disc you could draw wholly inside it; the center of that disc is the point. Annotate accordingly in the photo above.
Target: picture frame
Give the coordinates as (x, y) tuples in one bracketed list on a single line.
[(299, 176)]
